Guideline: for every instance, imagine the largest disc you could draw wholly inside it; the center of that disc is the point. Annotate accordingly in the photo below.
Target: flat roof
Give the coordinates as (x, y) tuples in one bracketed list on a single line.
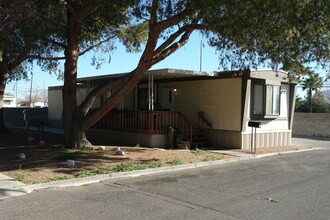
[(167, 73), (170, 73)]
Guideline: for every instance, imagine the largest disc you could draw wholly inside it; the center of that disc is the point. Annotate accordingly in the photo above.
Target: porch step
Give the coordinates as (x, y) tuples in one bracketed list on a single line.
[(198, 139)]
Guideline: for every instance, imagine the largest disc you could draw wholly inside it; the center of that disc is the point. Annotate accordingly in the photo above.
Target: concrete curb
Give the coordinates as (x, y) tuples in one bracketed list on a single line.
[(22, 190)]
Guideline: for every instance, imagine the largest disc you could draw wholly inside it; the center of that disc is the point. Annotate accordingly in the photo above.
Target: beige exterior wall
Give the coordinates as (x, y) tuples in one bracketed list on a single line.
[(223, 139), (219, 99), (55, 104), (311, 124)]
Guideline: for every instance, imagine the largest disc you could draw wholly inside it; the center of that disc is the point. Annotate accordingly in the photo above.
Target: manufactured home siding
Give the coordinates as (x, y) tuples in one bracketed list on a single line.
[(55, 104), (219, 99)]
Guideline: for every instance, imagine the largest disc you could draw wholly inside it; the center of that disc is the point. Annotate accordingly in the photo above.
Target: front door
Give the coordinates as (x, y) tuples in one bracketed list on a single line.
[(167, 100)]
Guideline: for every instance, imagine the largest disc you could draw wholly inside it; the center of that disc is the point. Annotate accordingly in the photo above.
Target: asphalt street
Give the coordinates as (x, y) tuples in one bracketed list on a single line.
[(291, 186)]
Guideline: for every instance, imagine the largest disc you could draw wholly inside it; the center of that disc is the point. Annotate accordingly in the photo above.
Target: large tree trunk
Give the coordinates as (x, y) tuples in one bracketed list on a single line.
[(74, 137), (3, 80)]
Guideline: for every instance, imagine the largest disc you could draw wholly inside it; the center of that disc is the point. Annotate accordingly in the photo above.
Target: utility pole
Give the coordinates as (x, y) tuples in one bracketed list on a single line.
[(201, 56), (30, 100), (16, 94)]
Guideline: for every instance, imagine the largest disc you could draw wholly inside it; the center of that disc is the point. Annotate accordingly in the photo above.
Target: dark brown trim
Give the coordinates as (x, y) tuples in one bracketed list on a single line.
[(292, 101), (244, 99)]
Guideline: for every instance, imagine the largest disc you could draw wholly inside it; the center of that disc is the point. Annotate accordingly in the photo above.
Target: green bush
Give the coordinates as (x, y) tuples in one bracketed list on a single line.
[(198, 152), (63, 177), (177, 161), (211, 157)]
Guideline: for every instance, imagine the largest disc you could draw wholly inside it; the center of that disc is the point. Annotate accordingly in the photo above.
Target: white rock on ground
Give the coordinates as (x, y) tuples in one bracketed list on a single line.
[(21, 156), (70, 163), (119, 152)]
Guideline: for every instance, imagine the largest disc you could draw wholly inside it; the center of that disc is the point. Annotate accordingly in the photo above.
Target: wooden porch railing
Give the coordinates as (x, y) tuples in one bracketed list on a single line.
[(146, 122), (202, 121)]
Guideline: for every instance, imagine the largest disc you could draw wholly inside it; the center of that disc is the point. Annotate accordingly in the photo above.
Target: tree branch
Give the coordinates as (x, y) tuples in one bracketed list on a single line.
[(153, 12), (97, 92), (19, 59), (90, 9), (169, 22), (96, 45), (56, 43), (175, 35), (40, 57), (171, 49)]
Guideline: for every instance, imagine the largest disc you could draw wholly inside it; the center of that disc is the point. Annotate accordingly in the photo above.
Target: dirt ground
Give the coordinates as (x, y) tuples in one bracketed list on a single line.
[(49, 161)]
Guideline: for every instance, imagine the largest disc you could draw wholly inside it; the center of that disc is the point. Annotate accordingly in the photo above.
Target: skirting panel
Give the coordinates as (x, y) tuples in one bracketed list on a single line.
[(267, 139), (126, 138), (237, 139)]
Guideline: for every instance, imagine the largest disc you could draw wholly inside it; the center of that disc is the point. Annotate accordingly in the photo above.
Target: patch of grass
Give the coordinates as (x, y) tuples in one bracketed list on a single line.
[(123, 167), (68, 156), (198, 152), (102, 171), (62, 177), (84, 173), (20, 175), (176, 161), (86, 148), (137, 145), (155, 164), (211, 157)]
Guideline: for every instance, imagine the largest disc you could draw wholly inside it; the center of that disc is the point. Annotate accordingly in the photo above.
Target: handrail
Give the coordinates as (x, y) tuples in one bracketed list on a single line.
[(203, 120), (188, 131), (147, 122)]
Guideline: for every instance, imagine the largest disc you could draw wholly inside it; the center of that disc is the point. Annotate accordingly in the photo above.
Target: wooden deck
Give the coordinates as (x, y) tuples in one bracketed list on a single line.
[(145, 122)]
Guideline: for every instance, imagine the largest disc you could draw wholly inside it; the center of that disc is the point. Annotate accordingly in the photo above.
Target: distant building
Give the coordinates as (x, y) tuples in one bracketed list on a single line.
[(38, 104), (9, 101)]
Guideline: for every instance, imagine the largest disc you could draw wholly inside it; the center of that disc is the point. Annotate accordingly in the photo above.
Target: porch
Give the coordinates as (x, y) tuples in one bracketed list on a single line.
[(146, 122), (145, 126)]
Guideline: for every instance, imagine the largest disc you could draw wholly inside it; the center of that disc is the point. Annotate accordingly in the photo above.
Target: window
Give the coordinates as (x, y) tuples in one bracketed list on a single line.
[(266, 100), (143, 99)]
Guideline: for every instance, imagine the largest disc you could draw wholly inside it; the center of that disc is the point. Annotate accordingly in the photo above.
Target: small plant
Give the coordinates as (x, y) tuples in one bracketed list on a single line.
[(20, 175), (155, 164), (137, 145), (211, 157), (124, 167), (198, 151), (86, 148), (177, 161), (103, 171), (63, 177), (84, 173), (60, 148)]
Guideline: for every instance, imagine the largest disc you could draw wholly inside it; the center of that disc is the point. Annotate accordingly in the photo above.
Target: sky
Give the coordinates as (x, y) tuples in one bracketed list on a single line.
[(121, 61)]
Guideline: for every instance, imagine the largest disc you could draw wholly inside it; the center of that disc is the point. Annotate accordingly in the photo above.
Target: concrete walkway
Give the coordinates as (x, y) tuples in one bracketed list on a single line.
[(10, 187)]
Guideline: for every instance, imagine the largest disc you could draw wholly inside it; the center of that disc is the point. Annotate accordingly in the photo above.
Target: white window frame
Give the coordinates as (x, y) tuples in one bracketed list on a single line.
[(268, 103)]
